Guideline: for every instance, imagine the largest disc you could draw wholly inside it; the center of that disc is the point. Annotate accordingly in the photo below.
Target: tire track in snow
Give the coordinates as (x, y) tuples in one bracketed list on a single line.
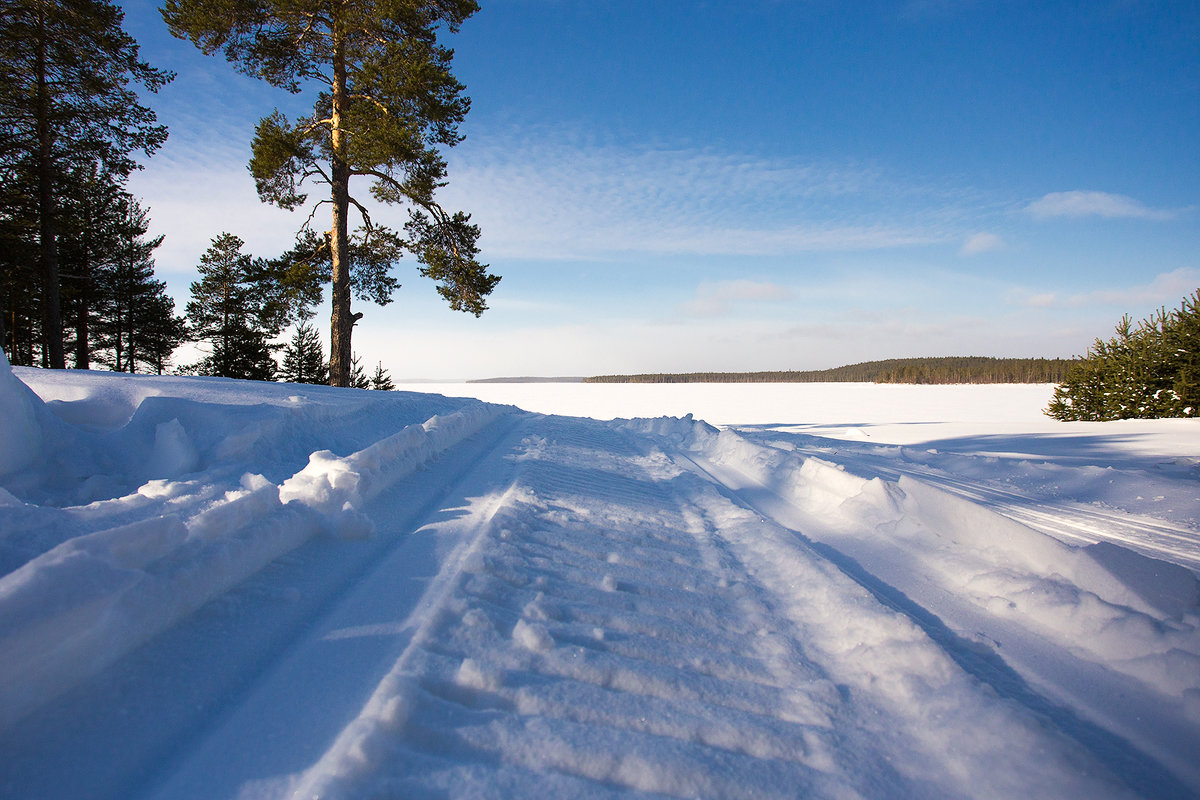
[(1076, 523), (595, 673)]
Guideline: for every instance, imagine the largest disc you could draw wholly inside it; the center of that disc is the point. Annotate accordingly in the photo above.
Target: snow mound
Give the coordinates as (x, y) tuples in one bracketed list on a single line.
[(337, 487)]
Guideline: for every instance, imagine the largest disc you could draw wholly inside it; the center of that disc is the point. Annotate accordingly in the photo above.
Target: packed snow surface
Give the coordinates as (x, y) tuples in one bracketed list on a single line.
[(222, 589)]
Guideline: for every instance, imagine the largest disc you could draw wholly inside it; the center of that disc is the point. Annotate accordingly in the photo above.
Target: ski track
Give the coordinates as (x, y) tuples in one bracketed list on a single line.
[(614, 624), (581, 609)]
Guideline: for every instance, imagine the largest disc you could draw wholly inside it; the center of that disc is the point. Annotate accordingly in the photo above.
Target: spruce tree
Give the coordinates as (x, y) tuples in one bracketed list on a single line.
[(1146, 371), (128, 298), (304, 358), (387, 102), (380, 380), (66, 101), (157, 332), (94, 226), (358, 376), (229, 311), (1183, 340)]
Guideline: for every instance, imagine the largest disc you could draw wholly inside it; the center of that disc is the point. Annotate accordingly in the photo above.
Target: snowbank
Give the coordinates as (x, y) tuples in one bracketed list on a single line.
[(1134, 614), (78, 607)]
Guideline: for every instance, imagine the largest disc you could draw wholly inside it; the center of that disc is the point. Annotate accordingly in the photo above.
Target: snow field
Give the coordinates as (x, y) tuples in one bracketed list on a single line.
[(396, 594)]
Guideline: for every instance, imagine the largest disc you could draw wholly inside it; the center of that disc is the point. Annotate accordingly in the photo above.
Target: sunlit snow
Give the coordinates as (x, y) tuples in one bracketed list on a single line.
[(223, 589)]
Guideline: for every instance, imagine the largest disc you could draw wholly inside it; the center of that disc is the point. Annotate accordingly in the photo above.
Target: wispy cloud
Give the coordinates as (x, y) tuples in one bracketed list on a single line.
[(554, 196), (1094, 204), (1167, 289), (981, 243), (197, 191), (717, 298)]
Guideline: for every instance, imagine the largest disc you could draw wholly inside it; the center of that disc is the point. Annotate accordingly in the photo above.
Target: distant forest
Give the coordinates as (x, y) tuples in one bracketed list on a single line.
[(953, 369)]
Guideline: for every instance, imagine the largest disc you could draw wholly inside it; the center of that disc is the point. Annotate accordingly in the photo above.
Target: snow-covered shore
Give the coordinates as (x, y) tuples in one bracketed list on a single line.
[(214, 588)]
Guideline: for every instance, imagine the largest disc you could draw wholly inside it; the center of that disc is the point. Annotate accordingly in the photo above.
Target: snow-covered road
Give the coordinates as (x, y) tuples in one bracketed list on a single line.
[(476, 601)]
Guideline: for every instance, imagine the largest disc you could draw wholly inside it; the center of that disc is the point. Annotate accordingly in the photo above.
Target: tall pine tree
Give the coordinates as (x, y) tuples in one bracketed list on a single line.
[(19, 279), (67, 101), (387, 102)]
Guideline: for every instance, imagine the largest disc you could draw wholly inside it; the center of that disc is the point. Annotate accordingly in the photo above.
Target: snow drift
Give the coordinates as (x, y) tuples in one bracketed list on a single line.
[(1135, 614)]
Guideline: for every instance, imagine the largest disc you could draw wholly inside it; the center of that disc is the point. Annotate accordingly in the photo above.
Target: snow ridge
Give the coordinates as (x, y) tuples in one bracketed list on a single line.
[(83, 604), (561, 606)]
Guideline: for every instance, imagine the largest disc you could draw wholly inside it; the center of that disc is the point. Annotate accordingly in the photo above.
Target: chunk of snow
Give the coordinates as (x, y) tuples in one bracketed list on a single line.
[(20, 433), (533, 636), (174, 453)]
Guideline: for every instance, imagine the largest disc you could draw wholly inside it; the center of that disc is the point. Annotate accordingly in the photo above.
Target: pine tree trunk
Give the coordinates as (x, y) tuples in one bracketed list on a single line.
[(341, 323), (52, 340), (82, 354), (82, 359)]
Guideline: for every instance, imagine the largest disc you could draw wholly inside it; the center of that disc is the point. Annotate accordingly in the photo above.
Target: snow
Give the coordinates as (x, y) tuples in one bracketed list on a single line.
[(20, 435), (222, 589)]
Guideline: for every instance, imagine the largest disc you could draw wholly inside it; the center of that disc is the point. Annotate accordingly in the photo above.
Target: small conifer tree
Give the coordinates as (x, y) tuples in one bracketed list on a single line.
[(358, 376), (229, 311), (381, 381), (135, 318), (304, 358)]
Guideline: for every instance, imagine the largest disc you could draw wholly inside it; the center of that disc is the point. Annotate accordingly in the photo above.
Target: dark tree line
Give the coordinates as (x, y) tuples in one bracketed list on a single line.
[(71, 126), (1145, 371), (112, 310), (953, 369)]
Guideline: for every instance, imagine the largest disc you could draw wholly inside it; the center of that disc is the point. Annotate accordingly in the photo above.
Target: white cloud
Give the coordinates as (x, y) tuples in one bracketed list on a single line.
[(551, 196), (1166, 289), (981, 243), (717, 298), (1094, 204)]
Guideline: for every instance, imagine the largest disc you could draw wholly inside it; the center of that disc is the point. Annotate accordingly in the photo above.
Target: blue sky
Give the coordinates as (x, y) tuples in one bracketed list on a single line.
[(762, 184)]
